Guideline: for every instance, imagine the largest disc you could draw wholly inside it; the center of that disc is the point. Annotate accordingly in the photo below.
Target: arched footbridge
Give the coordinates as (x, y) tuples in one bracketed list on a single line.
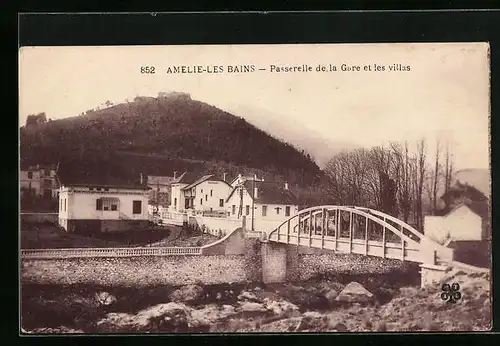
[(358, 230)]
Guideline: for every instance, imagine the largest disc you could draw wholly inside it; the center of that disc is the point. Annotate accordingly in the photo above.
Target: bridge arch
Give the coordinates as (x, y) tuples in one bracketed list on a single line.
[(338, 228)]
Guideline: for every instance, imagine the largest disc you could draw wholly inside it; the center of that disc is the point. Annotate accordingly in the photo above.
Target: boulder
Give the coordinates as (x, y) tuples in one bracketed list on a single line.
[(252, 307), (171, 321), (245, 295), (105, 298), (212, 314), (280, 307), (188, 293), (169, 317), (331, 296), (355, 293)]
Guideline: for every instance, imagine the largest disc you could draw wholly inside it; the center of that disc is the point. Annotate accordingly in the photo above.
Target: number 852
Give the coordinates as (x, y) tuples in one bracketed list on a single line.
[(148, 69)]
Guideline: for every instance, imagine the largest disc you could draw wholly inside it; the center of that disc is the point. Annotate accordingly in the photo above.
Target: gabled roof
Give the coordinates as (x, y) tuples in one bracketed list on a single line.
[(479, 209), (269, 193), (185, 178), (198, 181), (211, 177), (245, 177), (99, 175)]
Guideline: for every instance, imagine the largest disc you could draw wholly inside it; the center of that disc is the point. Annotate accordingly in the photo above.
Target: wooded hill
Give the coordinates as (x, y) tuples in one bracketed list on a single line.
[(184, 134)]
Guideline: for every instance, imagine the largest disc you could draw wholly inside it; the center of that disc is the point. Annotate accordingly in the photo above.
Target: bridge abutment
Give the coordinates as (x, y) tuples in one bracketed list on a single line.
[(432, 274)]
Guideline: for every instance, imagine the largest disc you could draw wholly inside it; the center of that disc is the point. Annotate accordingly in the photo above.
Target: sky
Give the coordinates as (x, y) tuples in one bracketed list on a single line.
[(444, 95)]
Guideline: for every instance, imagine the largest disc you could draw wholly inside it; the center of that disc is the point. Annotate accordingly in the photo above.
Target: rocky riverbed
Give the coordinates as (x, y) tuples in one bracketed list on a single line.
[(327, 304)]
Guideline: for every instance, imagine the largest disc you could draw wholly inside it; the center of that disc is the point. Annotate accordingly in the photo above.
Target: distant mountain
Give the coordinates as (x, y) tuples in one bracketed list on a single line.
[(172, 126), (320, 148)]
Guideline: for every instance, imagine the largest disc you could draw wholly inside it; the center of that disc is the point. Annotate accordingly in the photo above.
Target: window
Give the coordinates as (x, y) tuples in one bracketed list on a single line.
[(65, 204), (206, 197), (175, 202), (98, 189), (278, 210), (211, 193), (114, 207), (221, 202), (91, 189), (136, 207), (46, 172), (106, 189), (201, 201), (201, 190), (247, 209), (264, 210), (47, 183), (30, 175), (287, 211), (234, 209), (98, 204)]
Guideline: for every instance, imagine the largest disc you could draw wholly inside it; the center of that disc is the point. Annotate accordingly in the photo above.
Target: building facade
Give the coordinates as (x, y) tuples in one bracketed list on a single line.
[(160, 190), (206, 194), (271, 203), (39, 181), (106, 208)]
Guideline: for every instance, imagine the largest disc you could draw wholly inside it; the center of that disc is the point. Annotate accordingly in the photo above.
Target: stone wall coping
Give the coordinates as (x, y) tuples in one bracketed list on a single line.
[(434, 266), (222, 240)]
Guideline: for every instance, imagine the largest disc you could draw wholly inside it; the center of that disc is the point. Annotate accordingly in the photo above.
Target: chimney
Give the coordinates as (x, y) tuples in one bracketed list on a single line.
[(224, 176), (286, 186), (175, 174)]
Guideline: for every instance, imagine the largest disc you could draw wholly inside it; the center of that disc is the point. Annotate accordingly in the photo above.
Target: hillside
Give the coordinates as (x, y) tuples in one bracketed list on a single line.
[(184, 132)]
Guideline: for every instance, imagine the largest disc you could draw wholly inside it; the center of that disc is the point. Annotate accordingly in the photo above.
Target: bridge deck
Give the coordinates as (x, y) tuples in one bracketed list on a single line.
[(356, 246)]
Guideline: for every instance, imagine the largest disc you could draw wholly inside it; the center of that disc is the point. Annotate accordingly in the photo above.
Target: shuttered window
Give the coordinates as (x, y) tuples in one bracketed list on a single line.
[(137, 207)]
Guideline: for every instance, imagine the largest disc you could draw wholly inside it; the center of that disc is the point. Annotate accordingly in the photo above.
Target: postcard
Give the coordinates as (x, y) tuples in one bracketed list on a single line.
[(278, 188)]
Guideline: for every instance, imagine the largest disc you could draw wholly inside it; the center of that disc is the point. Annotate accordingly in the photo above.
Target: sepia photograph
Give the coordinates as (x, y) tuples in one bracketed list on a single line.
[(266, 188)]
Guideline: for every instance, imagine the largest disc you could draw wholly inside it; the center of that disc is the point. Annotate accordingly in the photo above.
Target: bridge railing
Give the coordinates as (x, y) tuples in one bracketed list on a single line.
[(331, 218)]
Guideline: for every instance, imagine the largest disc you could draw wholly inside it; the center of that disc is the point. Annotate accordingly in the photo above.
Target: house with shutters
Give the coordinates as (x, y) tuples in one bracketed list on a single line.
[(102, 203), (271, 202), (39, 180), (201, 194)]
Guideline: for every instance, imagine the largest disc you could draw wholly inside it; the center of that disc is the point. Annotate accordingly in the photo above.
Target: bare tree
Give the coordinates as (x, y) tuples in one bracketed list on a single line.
[(448, 168), (419, 170), (435, 178)]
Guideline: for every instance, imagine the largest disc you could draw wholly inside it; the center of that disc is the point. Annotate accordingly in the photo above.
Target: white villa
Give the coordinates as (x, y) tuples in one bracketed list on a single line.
[(460, 224), (88, 207), (203, 194), (272, 203)]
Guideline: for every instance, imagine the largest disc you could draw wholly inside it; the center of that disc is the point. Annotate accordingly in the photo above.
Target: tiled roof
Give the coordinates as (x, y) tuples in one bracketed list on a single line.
[(198, 181), (185, 178), (269, 193), (99, 175)]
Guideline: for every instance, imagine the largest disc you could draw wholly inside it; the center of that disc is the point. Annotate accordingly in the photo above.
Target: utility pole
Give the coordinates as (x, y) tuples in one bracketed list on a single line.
[(253, 197), (157, 196)]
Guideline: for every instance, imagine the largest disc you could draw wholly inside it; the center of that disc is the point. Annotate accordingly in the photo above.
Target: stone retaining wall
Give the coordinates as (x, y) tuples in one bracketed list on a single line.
[(135, 271), (39, 217)]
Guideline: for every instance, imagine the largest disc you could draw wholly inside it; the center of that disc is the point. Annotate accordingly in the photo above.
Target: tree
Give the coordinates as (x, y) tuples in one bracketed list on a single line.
[(435, 179), (448, 168), (388, 195)]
